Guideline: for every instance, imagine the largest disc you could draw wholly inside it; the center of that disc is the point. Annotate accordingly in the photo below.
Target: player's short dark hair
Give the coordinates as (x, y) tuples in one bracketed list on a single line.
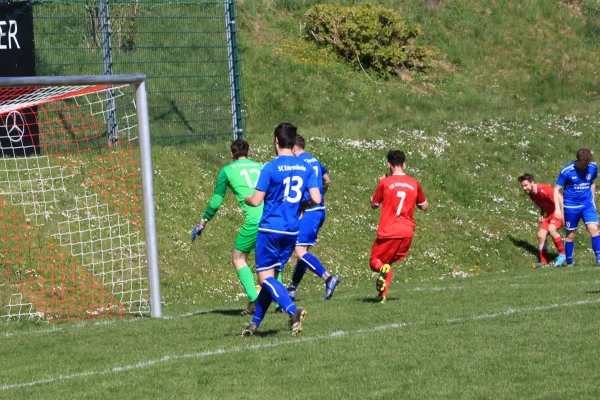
[(239, 148), (396, 158), (584, 158), (286, 135), (526, 177), (300, 142)]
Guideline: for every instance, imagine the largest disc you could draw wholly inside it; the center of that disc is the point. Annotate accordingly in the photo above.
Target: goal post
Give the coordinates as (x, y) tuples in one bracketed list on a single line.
[(77, 218)]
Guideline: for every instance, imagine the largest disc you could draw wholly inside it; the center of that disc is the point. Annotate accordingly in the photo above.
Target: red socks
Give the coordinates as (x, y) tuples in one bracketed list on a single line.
[(559, 245)]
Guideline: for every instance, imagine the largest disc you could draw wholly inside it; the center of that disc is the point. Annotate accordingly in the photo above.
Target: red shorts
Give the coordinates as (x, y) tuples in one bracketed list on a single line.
[(390, 250), (551, 220)]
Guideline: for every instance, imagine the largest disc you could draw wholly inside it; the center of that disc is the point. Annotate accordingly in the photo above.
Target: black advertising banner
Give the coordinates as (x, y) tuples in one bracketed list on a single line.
[(19, 132), (17, 52)]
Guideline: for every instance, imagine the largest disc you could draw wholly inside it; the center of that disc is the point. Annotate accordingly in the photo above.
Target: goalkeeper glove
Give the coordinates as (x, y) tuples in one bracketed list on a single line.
[(198, 229)]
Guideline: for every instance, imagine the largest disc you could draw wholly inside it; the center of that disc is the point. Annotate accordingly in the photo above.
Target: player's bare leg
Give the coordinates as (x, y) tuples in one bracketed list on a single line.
[(239, 259), (592, 229)]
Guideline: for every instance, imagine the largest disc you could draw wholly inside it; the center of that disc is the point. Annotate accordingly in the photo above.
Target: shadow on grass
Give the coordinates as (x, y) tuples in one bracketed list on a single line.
[(237, 312), (375, 300), (231, 312), (234, 312), (593, 292), (524, 245), (267, 333)]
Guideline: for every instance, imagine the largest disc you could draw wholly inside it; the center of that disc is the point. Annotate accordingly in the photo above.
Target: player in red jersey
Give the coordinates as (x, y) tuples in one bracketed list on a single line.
[(543, 196), (399, 194)]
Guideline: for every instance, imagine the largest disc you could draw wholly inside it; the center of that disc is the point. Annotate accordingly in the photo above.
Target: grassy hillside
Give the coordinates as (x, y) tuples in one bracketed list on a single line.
[(504, 101), (498, 60)]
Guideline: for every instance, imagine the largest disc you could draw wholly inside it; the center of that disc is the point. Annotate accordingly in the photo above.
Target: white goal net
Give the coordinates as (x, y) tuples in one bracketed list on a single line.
[(75, 239)]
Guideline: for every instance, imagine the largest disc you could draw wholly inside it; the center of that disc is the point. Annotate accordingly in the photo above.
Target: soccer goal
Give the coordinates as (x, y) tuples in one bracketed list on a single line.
[(77, 222)]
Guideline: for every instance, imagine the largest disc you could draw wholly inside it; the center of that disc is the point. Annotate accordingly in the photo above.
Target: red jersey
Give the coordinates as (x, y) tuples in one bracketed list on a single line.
[(544, 198), (399, 195)]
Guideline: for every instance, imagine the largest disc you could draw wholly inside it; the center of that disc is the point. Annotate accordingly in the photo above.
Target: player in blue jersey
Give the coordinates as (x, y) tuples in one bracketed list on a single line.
[(281, 184), (577, 179), (310, 223)]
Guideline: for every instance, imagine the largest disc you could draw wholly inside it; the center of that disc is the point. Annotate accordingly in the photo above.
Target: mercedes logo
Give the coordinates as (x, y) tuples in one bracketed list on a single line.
[(14, 123)]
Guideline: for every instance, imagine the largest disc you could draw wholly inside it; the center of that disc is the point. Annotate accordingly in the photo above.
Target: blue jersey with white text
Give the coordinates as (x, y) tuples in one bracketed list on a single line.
[(320, 170), (576, 184), (284, 181)]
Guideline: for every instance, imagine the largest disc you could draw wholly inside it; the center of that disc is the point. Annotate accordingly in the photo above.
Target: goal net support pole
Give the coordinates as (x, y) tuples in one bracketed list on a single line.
[(148, 188)]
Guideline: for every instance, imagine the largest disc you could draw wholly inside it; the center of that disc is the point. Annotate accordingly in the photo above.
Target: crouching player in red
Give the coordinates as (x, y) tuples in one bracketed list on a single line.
[(399, 194), (543, 196)]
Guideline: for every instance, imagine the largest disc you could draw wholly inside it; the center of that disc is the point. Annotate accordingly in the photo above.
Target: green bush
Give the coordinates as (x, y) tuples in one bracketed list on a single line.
[(367, 36)]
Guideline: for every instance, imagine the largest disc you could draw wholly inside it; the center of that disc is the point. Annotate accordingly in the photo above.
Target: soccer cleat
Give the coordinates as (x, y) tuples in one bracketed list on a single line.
[(381, 299), (560, 260), (330, 286), (381, 284), (297, 320), (250, 330), (279, 309), (292, 292), (250, 309)]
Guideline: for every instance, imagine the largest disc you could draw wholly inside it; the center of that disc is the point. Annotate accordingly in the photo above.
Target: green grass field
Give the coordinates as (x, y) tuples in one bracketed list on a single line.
[(506, 335), (517, 91)]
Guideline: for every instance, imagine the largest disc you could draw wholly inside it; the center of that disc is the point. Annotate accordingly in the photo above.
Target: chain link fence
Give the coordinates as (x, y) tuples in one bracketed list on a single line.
[(187, 49)]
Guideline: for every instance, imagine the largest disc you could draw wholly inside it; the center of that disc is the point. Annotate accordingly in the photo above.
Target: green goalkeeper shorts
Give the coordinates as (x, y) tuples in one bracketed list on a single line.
[(246, 238)]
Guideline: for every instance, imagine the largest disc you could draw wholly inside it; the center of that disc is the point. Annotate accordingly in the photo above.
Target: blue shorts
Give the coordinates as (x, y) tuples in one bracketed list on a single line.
[(310, 223), (573, 215), (273, 250)]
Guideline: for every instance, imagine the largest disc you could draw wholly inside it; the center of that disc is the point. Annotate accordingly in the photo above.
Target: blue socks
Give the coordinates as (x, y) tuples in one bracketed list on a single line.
[(569, 247), (314, 265), (263, 301), (596, 247), (272, 289), (299, 272), (311, 262)]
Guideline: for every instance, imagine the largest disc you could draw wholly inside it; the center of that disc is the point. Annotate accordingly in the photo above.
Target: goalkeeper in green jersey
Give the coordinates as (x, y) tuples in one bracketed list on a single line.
[(241, 176)]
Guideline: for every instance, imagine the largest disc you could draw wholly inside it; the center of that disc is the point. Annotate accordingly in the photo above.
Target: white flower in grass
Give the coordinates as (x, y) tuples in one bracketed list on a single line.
[(459, 274)]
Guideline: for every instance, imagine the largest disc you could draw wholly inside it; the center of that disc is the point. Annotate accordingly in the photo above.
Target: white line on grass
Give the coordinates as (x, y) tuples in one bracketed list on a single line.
[(149, 363), (144, 364), (516, 310), (512, 285)]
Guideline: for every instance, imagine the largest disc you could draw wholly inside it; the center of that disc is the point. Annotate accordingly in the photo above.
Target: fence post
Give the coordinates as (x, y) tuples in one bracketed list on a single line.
[(111, 119), (234, 74)]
